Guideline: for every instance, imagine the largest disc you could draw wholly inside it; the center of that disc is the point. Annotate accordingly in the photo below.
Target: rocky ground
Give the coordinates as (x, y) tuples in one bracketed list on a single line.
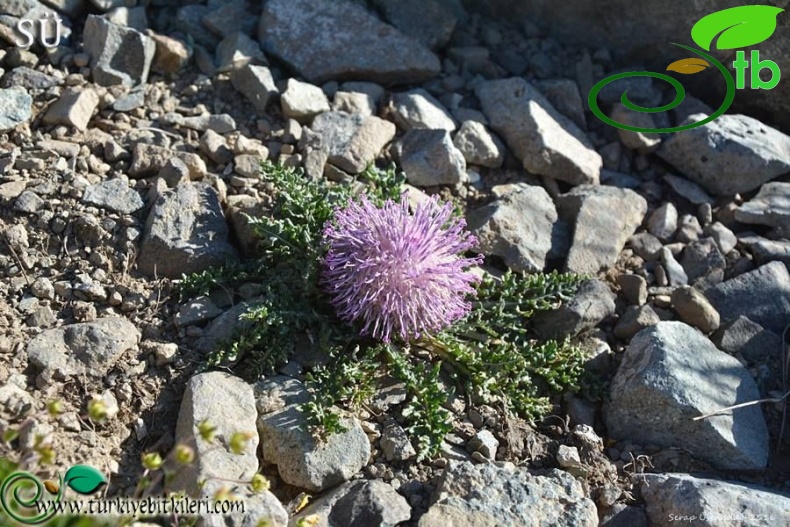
[(129, 155)]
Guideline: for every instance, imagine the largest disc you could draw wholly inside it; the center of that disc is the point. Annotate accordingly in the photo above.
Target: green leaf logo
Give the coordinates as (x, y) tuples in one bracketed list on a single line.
[(84, 479), (738, 27)]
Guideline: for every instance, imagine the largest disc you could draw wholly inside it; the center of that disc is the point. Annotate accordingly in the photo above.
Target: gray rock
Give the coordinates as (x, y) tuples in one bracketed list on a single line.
[(16, 236), (732, 154), (221, 123), (196, 311), (354, 102), (429, 158), (751, 340), (114, 194), (371, 91), (589, 306), (771, 207), (236, 51), (546, 142), (621, 515), (171, 54), (334, 39), (72, 8), (15, 108), (634, 288), (634, 320), (428, 22), (185, 233), (15, 401), (304, 462), (106, 5), (599, 235), (419, 109), (479, 146), (364, 503), (74, 107), (763, 295), (695, 310), (765, 250), (352, 142), (711, 502), (517, 228), (240, 207), (174, 172), (564, 95), (131, 17), (224, 328), (485, 443), (130, 101), (640, 141), (29, 79), (259, 509), (671, 373), (228, 403), (256, 84), (646, 246), (277, 392), (230, 17), (663, 222), (485, 495), (89, 348), (688, 190), (189, 20), (725, 239), (395, 443), (148, 160), (700, 259), (303, 101), (119, 55), (689, 229), (676, 275), (28, 201), (215, 147), (370, 504), (66, 149)]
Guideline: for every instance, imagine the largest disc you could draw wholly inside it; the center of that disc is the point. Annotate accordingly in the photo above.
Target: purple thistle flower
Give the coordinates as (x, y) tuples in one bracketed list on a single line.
[(400, 274)]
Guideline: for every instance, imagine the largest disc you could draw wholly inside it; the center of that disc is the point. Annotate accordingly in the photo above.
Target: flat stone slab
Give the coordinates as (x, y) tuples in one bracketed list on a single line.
[(546, 142), (771, 207), (670, 374), (89, 348), (732, 154), (762, 295), (486, 495), (604, 218), (340, 40), (677, 499), (517, 227)]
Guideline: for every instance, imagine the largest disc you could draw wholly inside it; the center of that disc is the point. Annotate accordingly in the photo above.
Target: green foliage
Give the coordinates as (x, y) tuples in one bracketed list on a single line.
[(496, 350), (288, 269), (427, 421), (347, 378), (492, 352)]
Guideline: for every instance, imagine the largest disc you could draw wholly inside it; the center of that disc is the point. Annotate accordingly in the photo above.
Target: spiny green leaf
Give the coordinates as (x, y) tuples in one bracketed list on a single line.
[(84, 479), (738, 27)]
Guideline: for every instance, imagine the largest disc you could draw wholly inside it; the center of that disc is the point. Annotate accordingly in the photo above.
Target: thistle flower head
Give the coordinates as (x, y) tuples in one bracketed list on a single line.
[(400, 274)]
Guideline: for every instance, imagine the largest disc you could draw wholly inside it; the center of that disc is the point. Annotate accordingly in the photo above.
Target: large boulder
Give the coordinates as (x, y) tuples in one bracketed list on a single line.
[(339, 39)]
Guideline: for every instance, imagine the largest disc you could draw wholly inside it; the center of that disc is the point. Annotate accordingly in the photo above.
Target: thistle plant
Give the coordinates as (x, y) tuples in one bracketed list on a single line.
[(385, 292), (401, 274)]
